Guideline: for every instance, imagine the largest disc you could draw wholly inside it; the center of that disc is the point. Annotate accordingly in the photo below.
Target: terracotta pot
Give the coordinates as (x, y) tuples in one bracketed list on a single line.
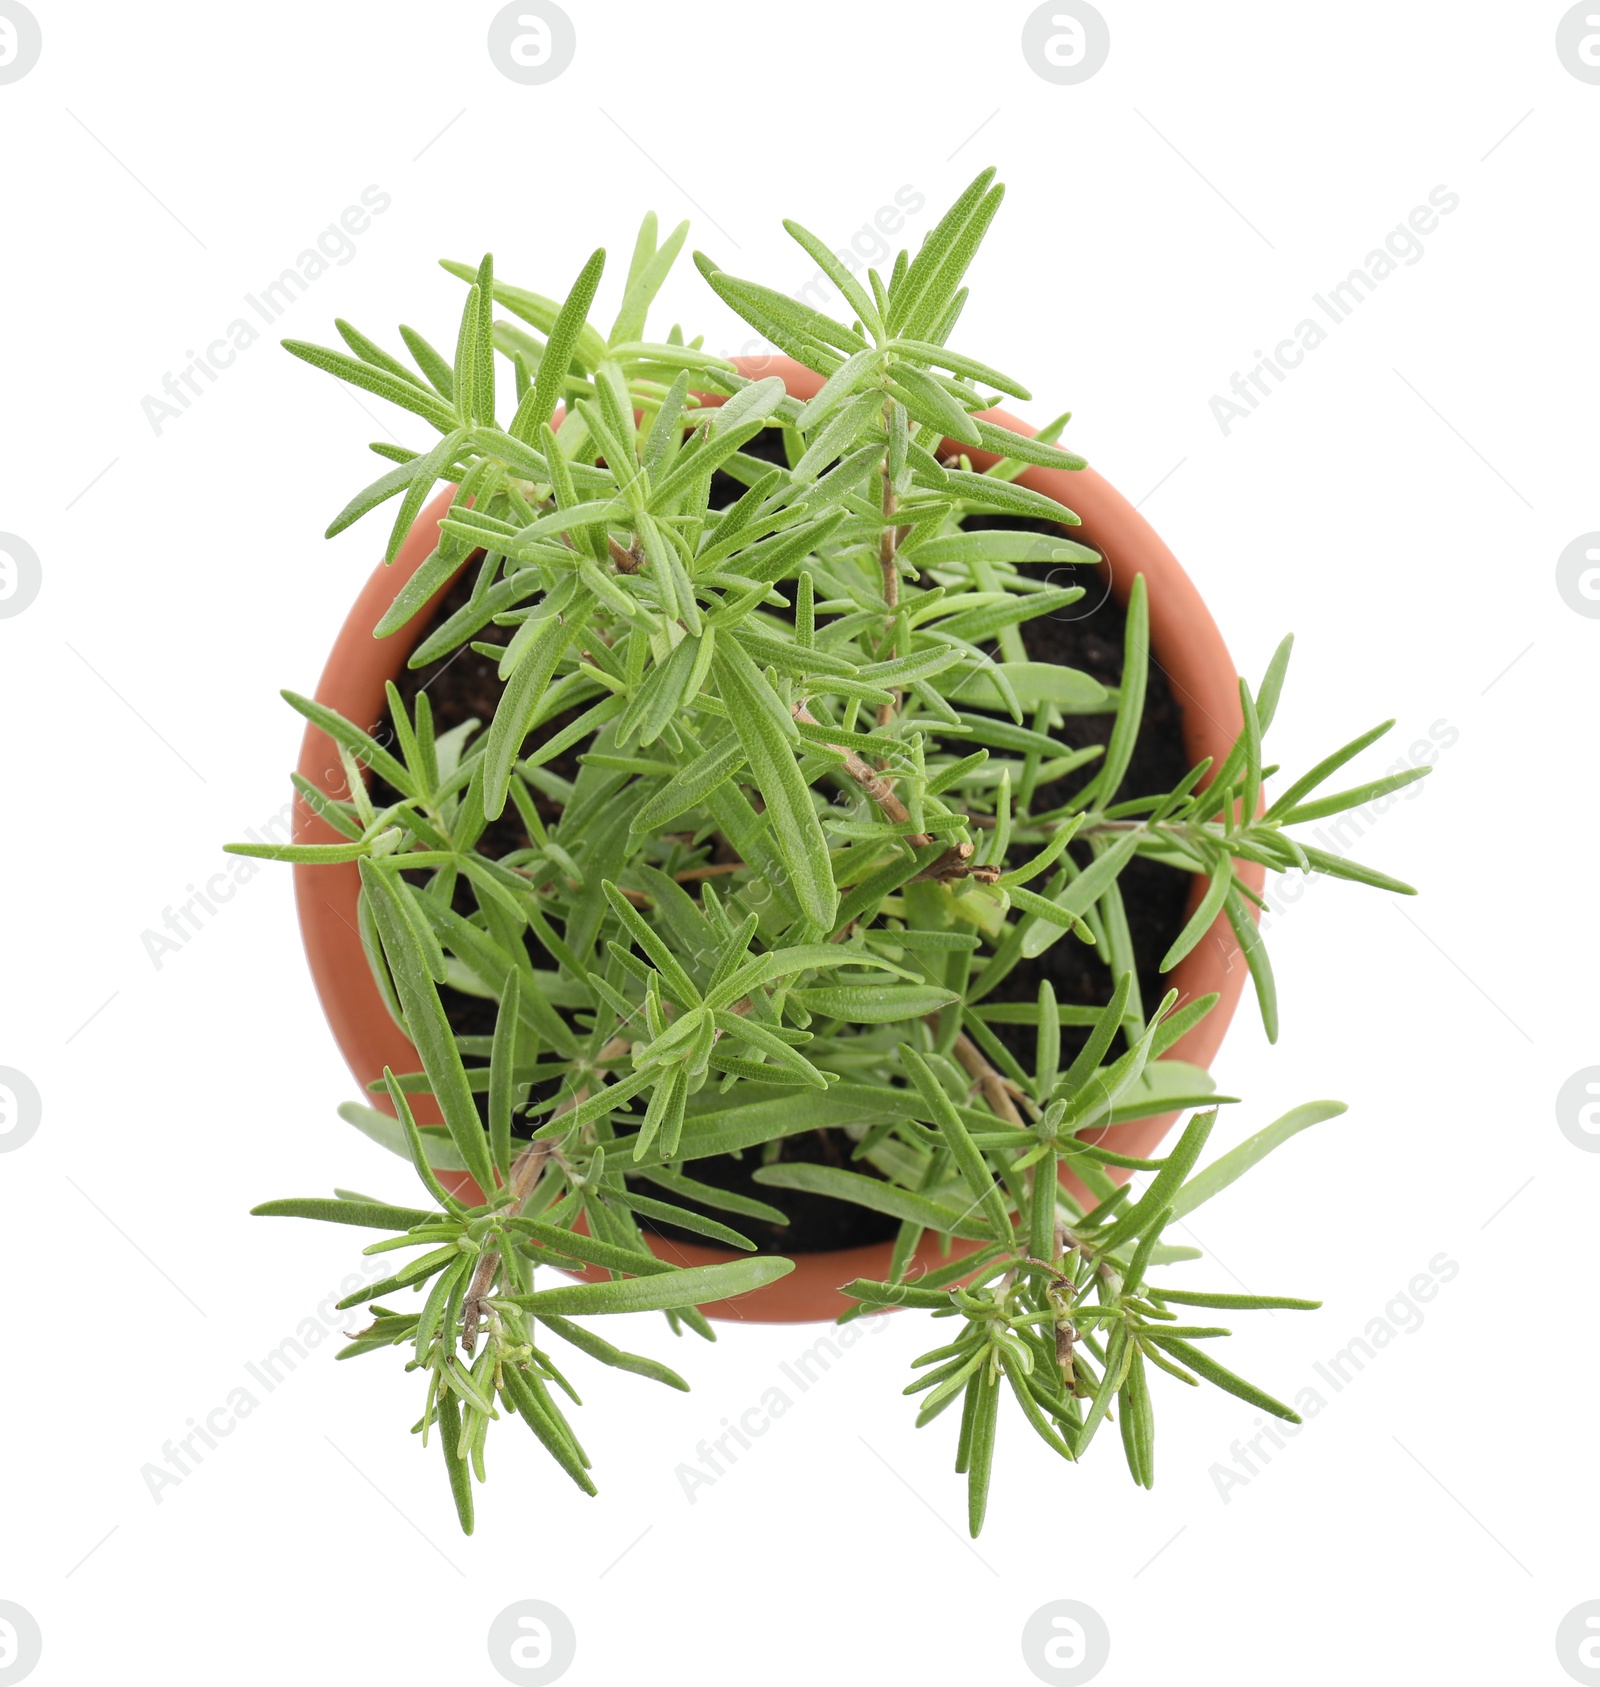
[(1184, 641)]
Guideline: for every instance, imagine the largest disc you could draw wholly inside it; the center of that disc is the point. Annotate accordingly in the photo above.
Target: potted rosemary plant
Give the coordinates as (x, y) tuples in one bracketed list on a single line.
[(744, 844)]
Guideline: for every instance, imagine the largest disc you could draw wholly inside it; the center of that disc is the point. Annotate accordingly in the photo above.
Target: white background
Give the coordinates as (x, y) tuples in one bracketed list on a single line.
[(1399, 502)]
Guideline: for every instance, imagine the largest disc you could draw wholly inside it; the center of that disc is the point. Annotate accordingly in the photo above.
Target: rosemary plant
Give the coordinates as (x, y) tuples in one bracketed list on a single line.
[(803, 852)]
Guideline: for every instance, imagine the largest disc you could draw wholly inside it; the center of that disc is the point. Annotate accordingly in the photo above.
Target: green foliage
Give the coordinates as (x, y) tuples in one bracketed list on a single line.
[(803, 849)]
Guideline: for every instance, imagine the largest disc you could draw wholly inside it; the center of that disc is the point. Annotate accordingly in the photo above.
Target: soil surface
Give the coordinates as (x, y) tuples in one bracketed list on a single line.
[(1089, 636)]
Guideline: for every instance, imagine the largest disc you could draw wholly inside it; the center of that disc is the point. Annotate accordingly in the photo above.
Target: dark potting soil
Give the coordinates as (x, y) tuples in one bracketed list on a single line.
[(1088, 636)]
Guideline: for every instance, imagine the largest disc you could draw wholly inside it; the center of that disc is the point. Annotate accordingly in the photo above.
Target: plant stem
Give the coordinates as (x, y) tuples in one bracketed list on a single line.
[(996, 1091), (526, 1171), (889, 566), (871, 782)]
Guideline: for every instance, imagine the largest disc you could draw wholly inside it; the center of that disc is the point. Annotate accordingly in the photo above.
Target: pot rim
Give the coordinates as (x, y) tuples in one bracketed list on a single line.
[(1184, 642)]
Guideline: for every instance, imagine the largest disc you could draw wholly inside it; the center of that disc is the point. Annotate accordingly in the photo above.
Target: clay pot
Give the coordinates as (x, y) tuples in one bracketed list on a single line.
[(1183, 639)]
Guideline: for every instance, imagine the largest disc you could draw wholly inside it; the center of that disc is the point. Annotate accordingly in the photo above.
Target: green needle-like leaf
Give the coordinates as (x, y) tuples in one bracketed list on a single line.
[(693, 1286), (874, 1194), (1203, 1365), (373, 1215), (796, 830), (1238, 1160), (426, 1021), (979, 1178)]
